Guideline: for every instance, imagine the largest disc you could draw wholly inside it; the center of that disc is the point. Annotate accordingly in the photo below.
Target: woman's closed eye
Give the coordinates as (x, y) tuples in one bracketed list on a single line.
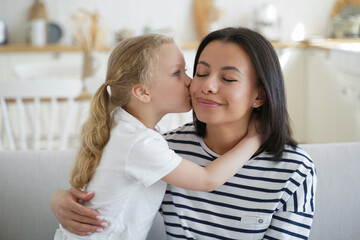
[(201, 75), (229, 80)]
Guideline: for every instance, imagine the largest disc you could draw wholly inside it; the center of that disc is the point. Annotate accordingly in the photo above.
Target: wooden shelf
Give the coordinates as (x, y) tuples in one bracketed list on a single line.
[(46, 48)]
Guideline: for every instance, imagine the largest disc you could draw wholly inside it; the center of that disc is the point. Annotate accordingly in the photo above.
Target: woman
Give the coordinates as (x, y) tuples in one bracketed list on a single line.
[(272, 196)]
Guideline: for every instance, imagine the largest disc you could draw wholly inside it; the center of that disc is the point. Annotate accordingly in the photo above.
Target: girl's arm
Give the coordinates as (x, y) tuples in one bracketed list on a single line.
[(191, 176)]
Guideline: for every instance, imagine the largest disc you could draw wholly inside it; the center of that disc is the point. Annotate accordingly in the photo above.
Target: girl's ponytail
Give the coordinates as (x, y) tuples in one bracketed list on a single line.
[(95, 135)]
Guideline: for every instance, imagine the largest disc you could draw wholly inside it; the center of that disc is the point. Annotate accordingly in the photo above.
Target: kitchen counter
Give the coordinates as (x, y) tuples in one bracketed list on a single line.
[(352, 45)]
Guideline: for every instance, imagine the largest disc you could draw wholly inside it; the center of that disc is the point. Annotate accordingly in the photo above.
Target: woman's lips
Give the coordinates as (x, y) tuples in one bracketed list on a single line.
[(207, 103)]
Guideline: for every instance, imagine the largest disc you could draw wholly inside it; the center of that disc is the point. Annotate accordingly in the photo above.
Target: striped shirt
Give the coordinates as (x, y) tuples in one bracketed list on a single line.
[(266, 199)]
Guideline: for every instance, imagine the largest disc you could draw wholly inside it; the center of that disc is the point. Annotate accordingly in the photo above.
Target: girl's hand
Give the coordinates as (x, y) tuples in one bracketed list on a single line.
[(72, 215)]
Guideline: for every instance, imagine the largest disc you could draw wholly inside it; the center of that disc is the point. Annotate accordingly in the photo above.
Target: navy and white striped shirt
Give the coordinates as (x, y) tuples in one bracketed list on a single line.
[(266, 199)]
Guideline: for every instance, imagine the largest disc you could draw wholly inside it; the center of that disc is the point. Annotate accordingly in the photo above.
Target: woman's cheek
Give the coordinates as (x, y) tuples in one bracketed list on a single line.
[(193, 86)]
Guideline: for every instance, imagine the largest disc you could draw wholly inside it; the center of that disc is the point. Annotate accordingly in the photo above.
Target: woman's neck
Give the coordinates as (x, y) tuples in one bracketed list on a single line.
[(221, 139)]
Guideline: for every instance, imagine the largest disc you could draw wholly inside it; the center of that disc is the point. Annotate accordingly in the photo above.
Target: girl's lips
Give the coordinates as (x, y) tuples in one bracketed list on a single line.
[(207, 103)]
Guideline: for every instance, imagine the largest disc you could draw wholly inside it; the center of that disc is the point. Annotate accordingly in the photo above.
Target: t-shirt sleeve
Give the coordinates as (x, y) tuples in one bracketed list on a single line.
[(150, 158)]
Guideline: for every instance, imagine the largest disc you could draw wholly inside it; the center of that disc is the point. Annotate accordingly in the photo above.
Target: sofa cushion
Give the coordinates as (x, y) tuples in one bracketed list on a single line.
[(28, 179), (337, 197)]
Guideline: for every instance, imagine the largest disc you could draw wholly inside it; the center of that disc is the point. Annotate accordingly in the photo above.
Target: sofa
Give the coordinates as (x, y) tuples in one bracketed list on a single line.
[(29, 178)]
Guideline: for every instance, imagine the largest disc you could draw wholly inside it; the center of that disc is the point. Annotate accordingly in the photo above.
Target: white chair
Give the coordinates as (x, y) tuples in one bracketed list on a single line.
[(38, 114)]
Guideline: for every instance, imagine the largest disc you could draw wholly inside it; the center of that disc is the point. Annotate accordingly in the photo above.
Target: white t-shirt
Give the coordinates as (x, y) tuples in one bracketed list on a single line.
[(127, 183)]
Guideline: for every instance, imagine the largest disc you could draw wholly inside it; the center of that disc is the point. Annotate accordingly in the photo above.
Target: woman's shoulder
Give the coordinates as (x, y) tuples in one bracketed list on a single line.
[(186, 129), (298, 154), (293, 158)]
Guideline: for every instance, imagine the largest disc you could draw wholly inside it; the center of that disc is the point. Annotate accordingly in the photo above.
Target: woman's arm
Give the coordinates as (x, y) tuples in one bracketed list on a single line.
[(195, 177), (72, 215), (294, 221)]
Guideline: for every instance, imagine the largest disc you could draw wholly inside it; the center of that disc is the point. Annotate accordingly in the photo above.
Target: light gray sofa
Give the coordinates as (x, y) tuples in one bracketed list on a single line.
[(29, 178)]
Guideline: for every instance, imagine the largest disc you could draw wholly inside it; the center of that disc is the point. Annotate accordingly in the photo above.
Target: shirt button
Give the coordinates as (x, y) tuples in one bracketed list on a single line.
[(260, 220)]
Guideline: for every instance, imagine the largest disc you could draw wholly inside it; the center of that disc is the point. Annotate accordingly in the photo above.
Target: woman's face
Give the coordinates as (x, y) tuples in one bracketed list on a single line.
[(170, 84), (223, 89)]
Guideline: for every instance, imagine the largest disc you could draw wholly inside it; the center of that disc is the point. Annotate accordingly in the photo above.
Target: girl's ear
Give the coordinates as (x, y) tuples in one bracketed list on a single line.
[(141, 92), (260, 99)]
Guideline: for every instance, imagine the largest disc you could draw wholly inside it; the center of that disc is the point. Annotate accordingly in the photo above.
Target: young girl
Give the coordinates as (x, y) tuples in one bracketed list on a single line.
[(123, 157)]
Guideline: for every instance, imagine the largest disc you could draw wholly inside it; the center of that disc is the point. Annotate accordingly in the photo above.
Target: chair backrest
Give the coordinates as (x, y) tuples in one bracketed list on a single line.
[(38, 114)]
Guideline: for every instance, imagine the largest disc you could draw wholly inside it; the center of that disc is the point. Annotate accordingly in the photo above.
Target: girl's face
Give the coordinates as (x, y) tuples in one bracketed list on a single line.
[(170, 84), (223, 89)]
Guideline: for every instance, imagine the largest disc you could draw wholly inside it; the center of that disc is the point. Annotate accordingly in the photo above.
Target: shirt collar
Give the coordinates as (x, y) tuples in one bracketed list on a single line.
[(120, 114)]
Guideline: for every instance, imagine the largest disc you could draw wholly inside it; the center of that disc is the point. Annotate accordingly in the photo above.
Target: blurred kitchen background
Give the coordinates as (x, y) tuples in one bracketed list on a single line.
[(318, 43)]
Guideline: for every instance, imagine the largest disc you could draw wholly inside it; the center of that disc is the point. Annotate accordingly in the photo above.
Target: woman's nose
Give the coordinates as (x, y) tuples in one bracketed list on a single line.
[(210, 86)]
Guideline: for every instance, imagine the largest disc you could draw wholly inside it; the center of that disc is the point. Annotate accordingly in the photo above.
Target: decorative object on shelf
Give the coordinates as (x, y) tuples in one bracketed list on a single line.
[(267, 21), (205, 12), (37, 32), (55, 33), (90, 65), (345, 19), (3, 32), (90, 35), (36, 27), (122, 34), (340, 5)]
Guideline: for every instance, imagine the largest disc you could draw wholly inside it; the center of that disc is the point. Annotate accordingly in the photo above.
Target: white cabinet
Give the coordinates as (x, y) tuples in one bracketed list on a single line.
[(321, 106), (323, 99), (293, 63), (347, 93), (333, 99), (9, 59)]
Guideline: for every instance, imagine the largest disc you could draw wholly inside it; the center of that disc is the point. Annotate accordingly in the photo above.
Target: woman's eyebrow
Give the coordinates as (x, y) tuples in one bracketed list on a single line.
[(204, 63), (232, 68)]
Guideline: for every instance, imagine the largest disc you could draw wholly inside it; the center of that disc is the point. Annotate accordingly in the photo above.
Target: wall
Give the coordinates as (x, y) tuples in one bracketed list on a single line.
[(174, 14)]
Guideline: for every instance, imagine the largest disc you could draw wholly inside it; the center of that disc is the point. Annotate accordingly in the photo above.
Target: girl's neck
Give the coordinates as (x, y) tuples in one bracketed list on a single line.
[(144, 115), (221, 139)]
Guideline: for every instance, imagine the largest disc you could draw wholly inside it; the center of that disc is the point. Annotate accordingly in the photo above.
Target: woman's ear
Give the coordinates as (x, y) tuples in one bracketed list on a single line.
[(260, 98), (141, 92)]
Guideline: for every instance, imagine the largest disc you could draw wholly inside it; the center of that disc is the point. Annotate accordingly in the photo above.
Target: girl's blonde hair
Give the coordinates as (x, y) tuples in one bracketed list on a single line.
[(130, 63)]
